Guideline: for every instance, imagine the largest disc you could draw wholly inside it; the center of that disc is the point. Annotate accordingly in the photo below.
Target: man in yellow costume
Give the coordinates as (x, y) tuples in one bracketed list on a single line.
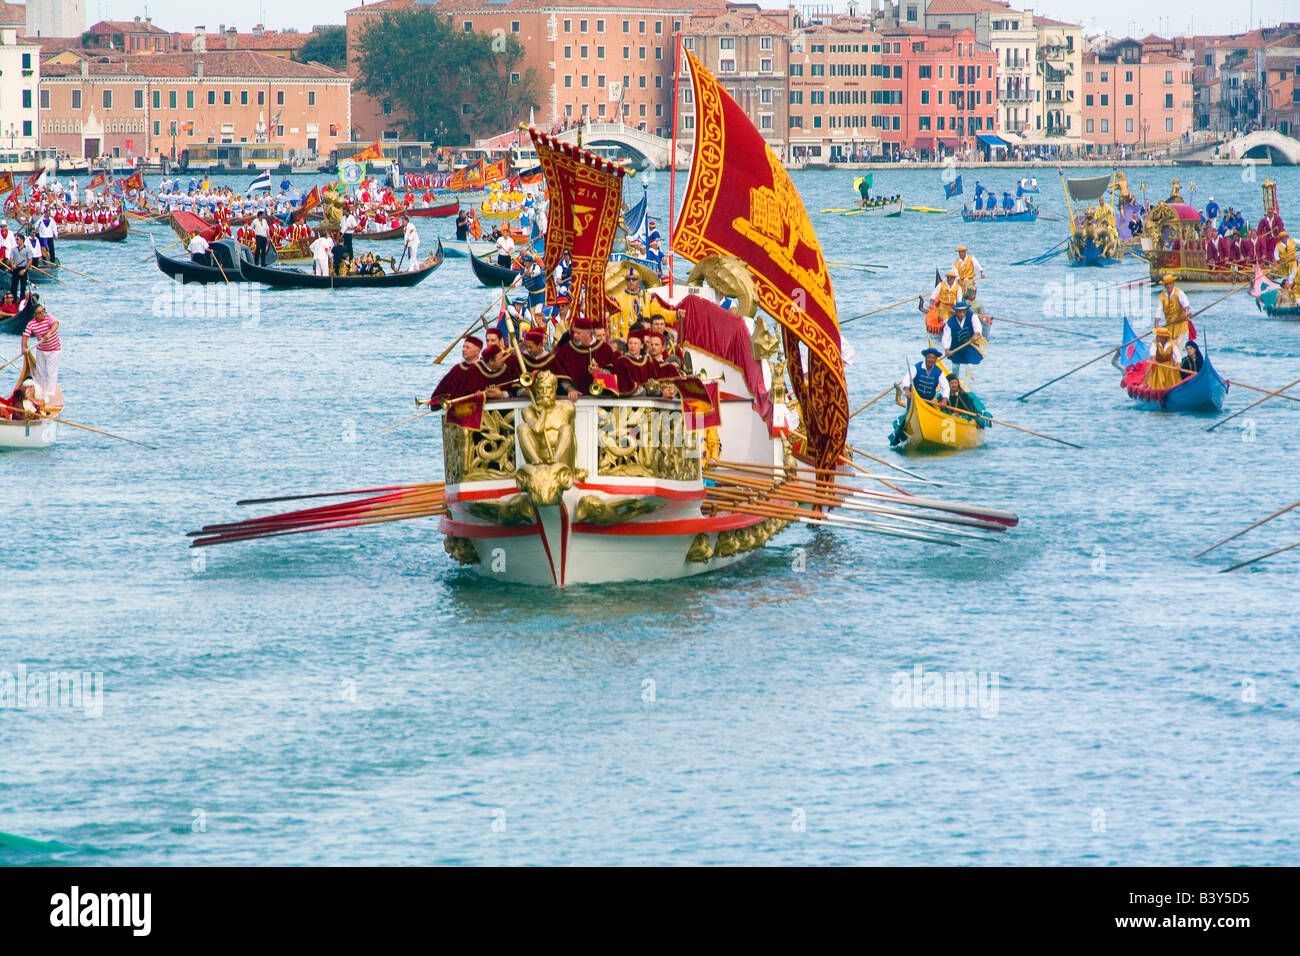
[(634, 304), (1284, 253), (1164, 370), (1176, 311), (966, 267), (946, 294)]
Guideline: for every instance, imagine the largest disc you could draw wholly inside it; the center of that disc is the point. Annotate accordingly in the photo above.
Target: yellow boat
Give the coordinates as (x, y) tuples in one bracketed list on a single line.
[(929, 428)]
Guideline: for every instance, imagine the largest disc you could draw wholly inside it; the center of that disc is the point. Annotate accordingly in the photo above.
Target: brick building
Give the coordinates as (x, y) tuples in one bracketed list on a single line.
[(1135, 98), (147, 104), (834, 84)]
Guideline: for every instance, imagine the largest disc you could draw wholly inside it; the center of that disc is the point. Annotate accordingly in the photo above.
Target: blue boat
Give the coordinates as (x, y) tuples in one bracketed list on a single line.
[(1266, 302), (1027, 215), (1202, 392), (1089, 254)]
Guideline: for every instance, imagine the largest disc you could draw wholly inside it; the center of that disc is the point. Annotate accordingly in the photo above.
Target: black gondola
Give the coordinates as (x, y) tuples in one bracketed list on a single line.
[(12, 324), (232, 255), (491, 274), (298, 279)]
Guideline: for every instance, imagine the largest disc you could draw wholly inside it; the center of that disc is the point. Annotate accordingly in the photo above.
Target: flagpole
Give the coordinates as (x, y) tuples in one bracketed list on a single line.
[(672, 157)]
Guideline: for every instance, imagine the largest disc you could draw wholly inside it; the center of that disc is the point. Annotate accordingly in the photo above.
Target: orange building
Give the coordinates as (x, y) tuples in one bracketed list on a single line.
[(597, 59), (1136, 99), (150, 104)]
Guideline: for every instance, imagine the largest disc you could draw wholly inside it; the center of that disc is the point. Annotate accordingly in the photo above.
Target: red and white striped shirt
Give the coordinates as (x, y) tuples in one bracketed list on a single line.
[(40, 328)]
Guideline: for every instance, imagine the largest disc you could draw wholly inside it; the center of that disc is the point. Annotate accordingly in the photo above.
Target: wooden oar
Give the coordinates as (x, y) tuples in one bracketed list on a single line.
[(11, 269), (1238, 534), (163, 249), (1035, 325), (64, 421), (67, 268), (887, 390), (1112, 351), (892, 305), (11, 361), (958, 413), (1258, 401), (1255, 388), (404, 421), (337, 494), (473, 325), (857, 265), (1267, 554)]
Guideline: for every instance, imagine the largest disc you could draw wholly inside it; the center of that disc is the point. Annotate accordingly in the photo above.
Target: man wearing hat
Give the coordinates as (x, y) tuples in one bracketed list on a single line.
[(962, 337), (1284, 254), (925, 380), (574, 360), (966, 266), (632, 304), (458, 381), (1163, 372), (1176, 311), (531, 356), (563, 275), (946, 293), (490, 374), (634, 368), (534, 280)]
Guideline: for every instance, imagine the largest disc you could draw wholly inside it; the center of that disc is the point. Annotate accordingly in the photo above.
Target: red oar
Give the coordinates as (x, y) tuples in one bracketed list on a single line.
[(324, 513), (334, 494)]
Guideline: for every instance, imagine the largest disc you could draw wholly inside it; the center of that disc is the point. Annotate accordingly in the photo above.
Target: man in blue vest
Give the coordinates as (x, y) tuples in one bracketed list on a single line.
[(925, 380), (962, 336)]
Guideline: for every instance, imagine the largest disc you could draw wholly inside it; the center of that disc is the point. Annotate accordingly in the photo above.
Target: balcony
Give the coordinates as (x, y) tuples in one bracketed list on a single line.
[(1016, 96)]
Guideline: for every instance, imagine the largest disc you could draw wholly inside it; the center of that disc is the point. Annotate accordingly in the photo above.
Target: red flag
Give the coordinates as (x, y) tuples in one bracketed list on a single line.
[(607, 379), (134, 181), (6, 183), (740, 202), (586, 199), (310, 202), (99, 179), (699, 403), (494, 172), (475, 227), (374, 151), (467, 412)]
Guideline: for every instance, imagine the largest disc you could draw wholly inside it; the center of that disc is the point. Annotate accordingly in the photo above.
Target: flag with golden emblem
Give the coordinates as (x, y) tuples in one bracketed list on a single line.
[(310, 202), (699, 403), (467, 177), (467, 411), (495, 172), (586, 200), (740, 202), (372, 153), (6, 183), (98, 180), (134, 181)]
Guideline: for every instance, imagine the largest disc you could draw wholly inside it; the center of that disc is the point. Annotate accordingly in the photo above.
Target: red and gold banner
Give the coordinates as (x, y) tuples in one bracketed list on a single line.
[(467, 177), (372, 153), (98, 180), (134, 181), (6, 183), (495, 172), (586, 200), (475, 227), (310, 202), (740, 202), (467, 412), (699, 404)]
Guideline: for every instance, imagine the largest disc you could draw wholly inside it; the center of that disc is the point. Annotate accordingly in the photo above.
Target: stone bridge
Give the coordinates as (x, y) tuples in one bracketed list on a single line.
[(649, 149), (1282, 150)]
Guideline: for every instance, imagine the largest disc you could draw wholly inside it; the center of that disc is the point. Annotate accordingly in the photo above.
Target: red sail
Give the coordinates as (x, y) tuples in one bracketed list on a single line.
[(585, 195), (740, 202)]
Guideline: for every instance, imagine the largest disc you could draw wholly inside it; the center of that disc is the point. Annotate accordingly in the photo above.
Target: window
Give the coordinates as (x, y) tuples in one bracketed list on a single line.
[(139, 99), (924, 72), (726, 66), (1105, 76), (911, 14), (108, 99), (1087, 126), (817, 122), (1169, 124), (189, 99), (600, 80), (1128, 126), (765, 43), (582, 26), (1105, 126), (27, 99), (1105, 100), (765, 66), (659, 27), (765, 121), (45, 99), (600, 53), (796, 122), (76, 99), (688, 122), (627, 26), (726, 43), (640, 51), (279, 98), (514, 26), (640, 27), (584, 51), (659, 82), (659, 53), (568, 81), (1087, 99), (641, 81), (765, 95), (1087, 77), (468, 27), (584, 80), (387, 107), (568, 26), (925, 97), (157, 128), (171, 99), (687, 95), (627, 53), (600, 26), (1169, 101), (243, 97), (157, 99), (225, 98), (514, 78), (568, 52), (311, 97), (1128, 76), (1169, 77), (687, 42)]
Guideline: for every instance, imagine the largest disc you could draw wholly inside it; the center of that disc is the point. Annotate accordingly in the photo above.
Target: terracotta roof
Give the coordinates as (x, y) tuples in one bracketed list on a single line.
[(645, 8), (50, 46), (268, 40), (1041, 21), (241, 64), (967, 7), (125, 26), (13, 13)]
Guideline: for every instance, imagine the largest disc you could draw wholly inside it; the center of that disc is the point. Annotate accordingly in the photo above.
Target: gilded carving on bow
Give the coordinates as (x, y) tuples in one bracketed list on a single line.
[(548, 445), (462, 549), (701, 550), (593, 509), (485, 455), (646, 442), (512, 511), (741, 540)]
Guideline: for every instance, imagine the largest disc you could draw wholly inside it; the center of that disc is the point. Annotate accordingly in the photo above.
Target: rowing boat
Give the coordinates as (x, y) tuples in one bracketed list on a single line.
[(1266, 302), (1202, 392), (380, 235), (283, 278), (464, 248), (232, 256), (114, 233), (491, 274), (927, 427), (35, 433), (445, 209), (884, 207), (1026, 215)]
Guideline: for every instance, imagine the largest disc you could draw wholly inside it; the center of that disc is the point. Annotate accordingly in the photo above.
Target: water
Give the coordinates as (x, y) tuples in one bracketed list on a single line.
[(355, 697)]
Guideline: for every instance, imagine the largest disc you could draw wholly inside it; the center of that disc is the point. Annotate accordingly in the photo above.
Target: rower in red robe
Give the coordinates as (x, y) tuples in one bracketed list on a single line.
[(575, 360), (634, 368), (460, 380), (490, 374)]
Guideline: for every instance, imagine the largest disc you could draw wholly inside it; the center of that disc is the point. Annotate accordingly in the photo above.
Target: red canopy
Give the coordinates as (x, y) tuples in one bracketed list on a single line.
[(186, 222), (713, 329)]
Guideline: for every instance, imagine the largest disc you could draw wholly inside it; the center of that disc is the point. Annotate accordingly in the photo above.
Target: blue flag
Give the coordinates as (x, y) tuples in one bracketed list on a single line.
[(953, 188)]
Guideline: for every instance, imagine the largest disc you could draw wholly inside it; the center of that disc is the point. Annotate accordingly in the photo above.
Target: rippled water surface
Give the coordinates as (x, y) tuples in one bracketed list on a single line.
[(355, 697)]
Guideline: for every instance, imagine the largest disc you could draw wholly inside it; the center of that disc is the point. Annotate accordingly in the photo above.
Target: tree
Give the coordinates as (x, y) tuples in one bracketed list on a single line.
[(329, 46), (440, 78)]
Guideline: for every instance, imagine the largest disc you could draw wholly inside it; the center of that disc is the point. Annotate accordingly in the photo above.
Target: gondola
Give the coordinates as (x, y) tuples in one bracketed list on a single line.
[(446, 209), (491, 274), (927, 427), (1202, 392), (464, 248), (43, 271), (114, 233), (380, 235), (12, 324), (298, 279), (233, 257), (32, 433), (1266, 302)]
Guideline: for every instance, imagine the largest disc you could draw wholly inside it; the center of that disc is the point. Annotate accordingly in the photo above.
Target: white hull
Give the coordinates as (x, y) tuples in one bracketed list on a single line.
[(37, 434)]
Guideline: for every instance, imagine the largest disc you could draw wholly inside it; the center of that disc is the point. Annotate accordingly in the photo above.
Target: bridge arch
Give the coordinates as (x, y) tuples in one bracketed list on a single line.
[(1279, 149), (646, 148)]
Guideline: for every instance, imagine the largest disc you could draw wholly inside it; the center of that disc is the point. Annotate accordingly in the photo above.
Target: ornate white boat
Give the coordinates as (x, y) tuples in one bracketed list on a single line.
[(41, 433)]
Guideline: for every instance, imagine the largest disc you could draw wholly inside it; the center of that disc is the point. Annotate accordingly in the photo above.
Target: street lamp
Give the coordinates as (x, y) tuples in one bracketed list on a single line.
[(1146, 124)]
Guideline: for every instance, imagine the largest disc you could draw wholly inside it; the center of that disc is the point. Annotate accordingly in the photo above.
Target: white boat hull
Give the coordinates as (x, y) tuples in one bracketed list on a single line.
[(36, 434)]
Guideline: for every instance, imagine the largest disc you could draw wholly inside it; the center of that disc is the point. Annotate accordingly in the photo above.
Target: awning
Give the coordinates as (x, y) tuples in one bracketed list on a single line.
[(1086, 190), (990, 140), (923, 142), (948, 143)]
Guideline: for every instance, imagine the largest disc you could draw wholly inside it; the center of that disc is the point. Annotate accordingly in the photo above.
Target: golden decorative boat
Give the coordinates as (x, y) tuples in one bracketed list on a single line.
[(930, 428)]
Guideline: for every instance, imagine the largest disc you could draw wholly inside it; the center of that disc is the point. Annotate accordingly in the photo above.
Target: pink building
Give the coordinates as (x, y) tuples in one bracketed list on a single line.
[(1136, 99)]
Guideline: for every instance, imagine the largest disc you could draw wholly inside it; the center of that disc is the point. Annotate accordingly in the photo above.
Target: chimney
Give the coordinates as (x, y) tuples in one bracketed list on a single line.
[(85, 67), (258, 30), (232, 38), (137, 21), (198, 67)]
